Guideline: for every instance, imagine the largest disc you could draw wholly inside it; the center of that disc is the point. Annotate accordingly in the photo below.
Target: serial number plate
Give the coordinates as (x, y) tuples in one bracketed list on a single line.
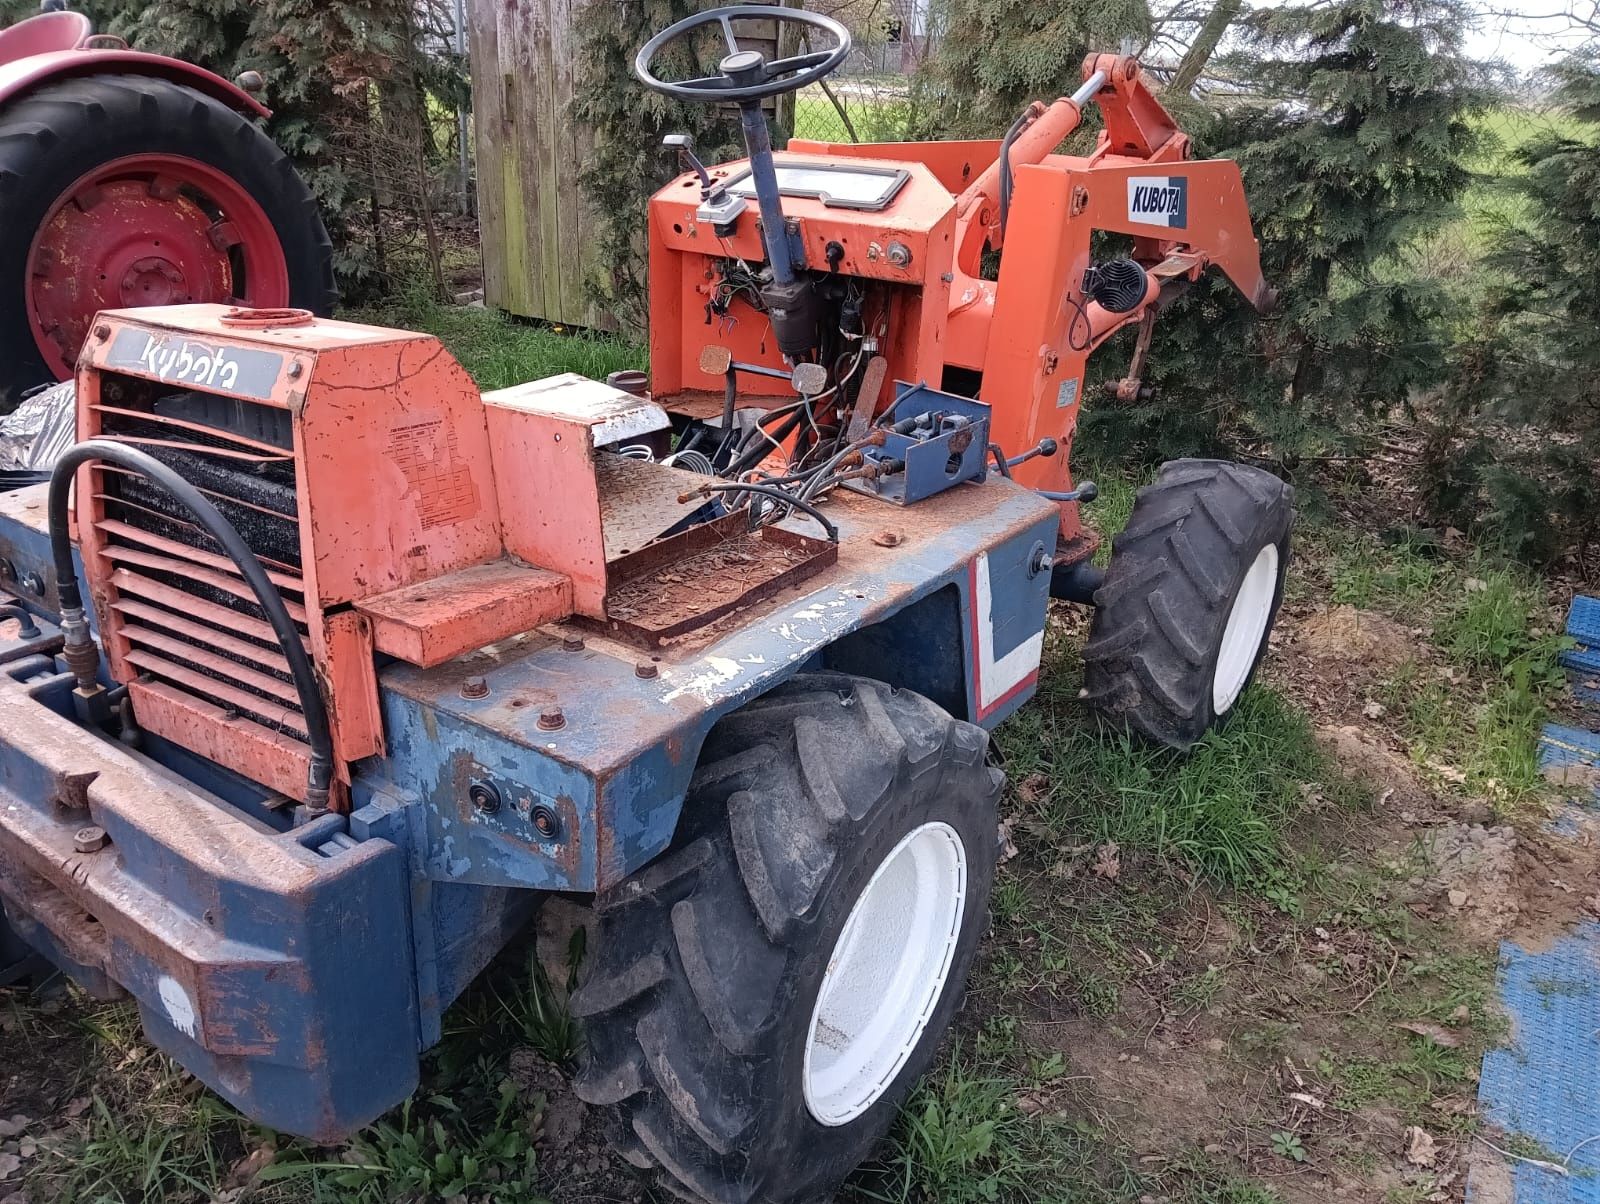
[(169, 357)]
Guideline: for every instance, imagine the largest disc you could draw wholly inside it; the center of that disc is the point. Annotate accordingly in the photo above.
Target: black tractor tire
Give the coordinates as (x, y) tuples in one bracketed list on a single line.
[(53, 137), (708, 965), (1177, 572)]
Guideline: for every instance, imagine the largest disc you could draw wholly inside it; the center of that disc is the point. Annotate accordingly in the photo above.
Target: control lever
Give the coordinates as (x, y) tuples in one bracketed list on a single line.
[(685, 146), (1047, 447), (719, 208), (1086, 492)]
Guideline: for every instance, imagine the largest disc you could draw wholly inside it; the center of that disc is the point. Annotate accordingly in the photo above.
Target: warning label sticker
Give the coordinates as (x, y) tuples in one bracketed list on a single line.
[(441, 484)]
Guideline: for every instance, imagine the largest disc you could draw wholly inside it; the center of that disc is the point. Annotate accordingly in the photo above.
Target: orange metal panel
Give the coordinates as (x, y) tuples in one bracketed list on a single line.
[(423, 500), (350, 685), (274, 760), (550, 495), (429, 624), (921, 219)]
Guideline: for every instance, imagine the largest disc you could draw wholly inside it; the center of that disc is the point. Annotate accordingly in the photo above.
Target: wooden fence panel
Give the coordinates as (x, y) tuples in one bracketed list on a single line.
[(532, 212), (531, 208)]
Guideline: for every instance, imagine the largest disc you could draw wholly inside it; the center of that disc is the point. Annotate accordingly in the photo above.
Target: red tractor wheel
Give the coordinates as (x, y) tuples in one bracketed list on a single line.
[(117, 192)]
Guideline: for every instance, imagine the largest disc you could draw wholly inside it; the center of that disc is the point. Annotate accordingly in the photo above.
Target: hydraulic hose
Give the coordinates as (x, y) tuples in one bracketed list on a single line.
[(74, 625), (788, 499), (27, 629), (1028, 117)]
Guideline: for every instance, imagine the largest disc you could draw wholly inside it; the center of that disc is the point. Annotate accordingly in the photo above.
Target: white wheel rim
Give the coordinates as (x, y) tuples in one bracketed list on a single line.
[(1247, 627), (886, 975)]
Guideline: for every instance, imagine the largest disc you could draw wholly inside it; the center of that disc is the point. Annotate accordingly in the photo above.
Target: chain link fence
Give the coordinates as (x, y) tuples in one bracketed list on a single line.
[(870, 98)]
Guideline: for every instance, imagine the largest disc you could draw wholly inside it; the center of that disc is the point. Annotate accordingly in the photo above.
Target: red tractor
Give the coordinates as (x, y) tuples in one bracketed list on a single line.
[(130, 179)]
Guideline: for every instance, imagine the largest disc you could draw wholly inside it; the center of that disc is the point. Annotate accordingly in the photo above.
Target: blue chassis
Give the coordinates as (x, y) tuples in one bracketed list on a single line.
[(300, 972)]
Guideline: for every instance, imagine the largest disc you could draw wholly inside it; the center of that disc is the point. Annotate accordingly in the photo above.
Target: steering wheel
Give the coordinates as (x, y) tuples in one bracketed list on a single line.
[(745, 75)]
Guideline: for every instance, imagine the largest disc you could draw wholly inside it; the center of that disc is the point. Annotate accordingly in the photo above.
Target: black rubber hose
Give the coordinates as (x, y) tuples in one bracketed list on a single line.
[(761, 449), (787, 499), (28, 629), (730, 399), (1017, 126), (320, 774)]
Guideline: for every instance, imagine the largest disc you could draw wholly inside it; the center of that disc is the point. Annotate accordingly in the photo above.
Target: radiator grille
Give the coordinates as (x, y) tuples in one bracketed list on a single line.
[(185, 616)]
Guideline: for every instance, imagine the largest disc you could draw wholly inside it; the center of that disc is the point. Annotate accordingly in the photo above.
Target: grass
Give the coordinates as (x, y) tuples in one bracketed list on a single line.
[(500, 351), (1224, 810), (1476, 696), (1225, 896)]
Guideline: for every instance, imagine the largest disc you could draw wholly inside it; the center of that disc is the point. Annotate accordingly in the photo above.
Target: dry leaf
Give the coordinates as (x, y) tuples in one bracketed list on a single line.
[(1108, 861), (10, 1128), (1008, 847), (1034, 788), (1458, 898), (10, 1164), (1420, 1150), (77, 1107), (1374, 710), (1436, 1033), (247, 1168)]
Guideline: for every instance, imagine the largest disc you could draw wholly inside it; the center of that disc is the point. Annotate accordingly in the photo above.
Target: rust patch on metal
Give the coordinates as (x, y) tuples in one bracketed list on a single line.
[(678, 584), (70, 789)]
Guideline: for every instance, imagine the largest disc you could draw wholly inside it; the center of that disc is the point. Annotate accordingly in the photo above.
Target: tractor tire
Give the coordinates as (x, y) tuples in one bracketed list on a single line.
[(1183, 618), (91, 144), (728, 1074)]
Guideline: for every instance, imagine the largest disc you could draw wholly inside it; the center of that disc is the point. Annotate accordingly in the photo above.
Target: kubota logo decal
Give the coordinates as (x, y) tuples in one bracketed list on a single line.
[(1159, 200), (171, 357)]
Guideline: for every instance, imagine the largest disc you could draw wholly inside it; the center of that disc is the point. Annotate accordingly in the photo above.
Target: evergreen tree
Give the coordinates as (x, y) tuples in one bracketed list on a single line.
[(628, 121), (997, 55), (1518, 451), (1354, 147)]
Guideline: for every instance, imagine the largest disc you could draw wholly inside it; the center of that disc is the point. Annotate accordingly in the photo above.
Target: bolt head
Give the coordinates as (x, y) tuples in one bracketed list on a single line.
[(89, 840), (646, 670), (102, 332), (888, 539), (552, 720), (572, 643), (475, 687)]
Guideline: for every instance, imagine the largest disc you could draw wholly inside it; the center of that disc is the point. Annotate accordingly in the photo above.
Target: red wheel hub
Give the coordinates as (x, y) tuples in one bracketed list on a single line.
[(147, 230)]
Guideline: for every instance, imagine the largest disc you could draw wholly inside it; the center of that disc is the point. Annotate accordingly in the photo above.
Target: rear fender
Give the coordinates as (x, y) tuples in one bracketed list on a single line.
[(23, 76)]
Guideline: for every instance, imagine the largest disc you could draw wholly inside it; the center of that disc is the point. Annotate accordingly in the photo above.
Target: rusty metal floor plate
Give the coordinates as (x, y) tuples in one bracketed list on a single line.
[(639, 501), (676, 585)]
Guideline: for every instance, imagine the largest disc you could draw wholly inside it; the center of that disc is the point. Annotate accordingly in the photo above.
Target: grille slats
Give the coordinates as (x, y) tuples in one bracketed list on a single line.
[(210, 662), (226, 583), (140, 586), (211, 560), (234, 649), (279, 718), (188, 622)]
